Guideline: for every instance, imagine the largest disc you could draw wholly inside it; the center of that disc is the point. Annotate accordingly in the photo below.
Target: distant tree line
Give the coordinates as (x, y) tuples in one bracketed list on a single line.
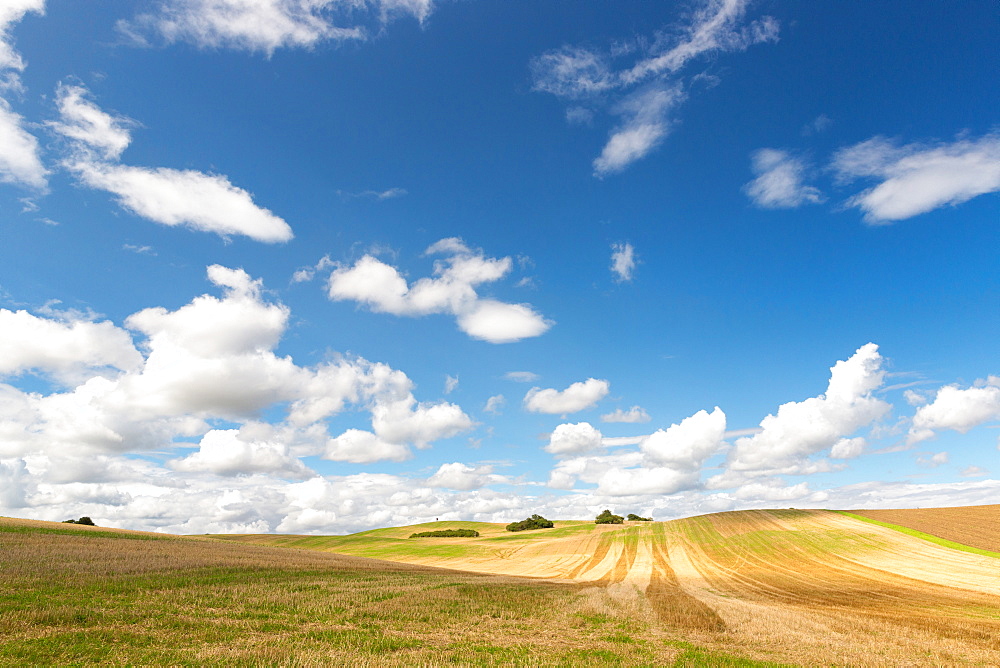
[(534, 522), (607, 517), (447, 533), (83, 520)]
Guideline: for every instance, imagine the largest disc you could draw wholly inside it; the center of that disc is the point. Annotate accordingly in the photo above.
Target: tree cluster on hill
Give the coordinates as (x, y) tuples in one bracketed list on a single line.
[(534, 522), (607, 517), (632, 517), (447, 533), (83, 520)]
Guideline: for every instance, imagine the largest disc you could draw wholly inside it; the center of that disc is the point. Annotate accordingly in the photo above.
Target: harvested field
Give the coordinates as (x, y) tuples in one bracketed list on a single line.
[(806, 587), (72, 595), (978, 526), (771, 586)]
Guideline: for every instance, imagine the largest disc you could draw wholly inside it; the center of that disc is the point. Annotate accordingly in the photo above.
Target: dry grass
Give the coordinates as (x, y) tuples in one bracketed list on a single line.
[(785, 585), (804, 587), (797, 584), (971, 525), (72, 595)]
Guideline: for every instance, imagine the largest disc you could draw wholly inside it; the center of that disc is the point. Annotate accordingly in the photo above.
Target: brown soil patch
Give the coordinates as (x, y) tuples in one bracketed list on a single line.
[(976, 526)]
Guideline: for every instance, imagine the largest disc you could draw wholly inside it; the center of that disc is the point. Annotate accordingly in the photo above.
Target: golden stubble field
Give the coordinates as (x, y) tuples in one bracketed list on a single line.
[(809, 587), (777, 586)]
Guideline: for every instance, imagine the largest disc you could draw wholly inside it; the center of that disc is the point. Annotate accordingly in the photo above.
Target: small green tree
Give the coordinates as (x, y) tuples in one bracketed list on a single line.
[(632, 517), (536, 521), (608, 518), (83, 520)]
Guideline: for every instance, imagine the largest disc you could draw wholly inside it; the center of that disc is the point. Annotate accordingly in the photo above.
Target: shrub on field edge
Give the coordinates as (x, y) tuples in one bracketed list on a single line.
[(607, 518), (83, 520), (632, 517), (447, 533), (536, 521)]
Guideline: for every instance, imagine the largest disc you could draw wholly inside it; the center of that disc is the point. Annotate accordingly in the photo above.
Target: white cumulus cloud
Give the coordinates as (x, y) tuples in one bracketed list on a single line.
[(12, 11), (464, 477), (20, 161), (848, 448), (957, 409), (68, 350), (227, 452), (667, 462), (452, 291), (577, 397), (209, 360), (363, 447), (20, 157), (574, 439), (802, 429), (686, 446)]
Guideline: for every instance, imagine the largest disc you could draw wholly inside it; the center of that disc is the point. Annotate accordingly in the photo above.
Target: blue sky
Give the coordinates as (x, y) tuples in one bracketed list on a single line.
[(316, 267)]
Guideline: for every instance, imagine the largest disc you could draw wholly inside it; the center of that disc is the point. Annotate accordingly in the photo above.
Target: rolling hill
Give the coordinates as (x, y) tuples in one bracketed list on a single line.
[(811, 582), (803, 587)]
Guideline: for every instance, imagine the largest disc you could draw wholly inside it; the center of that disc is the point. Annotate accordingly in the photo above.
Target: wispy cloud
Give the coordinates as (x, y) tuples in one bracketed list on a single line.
[(779, 183), (388, 193), (495, 404), (649, 88), (917, 178), (816, 126), (89, 126), (634, 415), (646, 123), (622, 261), (265, 25), (207, 202), (305, 274), (522, 376)]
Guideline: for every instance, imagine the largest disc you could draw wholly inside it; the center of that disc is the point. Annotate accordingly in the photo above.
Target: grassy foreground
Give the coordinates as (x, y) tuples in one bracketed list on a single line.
[(81, 595)]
